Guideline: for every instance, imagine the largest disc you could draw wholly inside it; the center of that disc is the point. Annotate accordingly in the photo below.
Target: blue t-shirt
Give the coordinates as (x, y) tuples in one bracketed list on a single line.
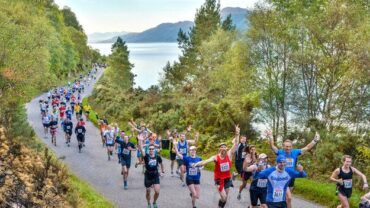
[(192, 173), (277, 182), (291, 159)]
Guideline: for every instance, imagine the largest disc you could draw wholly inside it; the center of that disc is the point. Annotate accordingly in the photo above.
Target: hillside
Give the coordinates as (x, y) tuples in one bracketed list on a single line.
[(238, 15), (100, 36), (165, 32)]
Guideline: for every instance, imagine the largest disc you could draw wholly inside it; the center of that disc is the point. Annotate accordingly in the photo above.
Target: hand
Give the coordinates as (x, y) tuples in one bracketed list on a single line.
[(317, 137), (168, 132), (188, 128), (268, 134), (340, 181), (237, 130), (194, 165), (299, 168), (365, 186)]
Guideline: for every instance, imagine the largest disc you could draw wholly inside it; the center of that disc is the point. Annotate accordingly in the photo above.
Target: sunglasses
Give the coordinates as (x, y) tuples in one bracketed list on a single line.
[(151, 148)]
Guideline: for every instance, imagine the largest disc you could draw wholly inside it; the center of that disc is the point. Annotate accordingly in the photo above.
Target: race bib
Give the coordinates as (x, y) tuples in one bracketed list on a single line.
[(262, 183), (152, 162), (182, 151), (347, 183), (224, 167), (278, 194), (243, 154), (193, 171), (79, 130), (289, 162), (126, 151), (68, 127)]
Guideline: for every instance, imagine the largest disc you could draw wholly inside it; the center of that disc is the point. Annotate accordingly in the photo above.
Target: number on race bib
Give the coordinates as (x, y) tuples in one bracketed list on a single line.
[(182, 151), (347, 183), (224, 167), (278, 194), (289, 162), (152, 162), (79, 130), (262, 183), (126, 151), (193, 171)]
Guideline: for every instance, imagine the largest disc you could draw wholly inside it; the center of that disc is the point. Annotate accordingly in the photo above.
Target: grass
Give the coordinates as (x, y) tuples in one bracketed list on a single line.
[(87, 195)]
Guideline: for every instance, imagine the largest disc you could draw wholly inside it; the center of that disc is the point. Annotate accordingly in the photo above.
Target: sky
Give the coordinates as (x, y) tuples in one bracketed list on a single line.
[(136, 15)]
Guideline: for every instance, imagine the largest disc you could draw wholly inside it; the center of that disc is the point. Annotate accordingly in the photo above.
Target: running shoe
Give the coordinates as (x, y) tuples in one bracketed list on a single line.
[(239, 196)]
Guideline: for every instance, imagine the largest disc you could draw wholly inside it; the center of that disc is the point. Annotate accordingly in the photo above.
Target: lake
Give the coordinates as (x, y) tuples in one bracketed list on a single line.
[(148, 58)]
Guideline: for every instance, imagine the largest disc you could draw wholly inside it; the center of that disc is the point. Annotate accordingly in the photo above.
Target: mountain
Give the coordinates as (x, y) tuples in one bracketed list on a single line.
[(238, 15), (96, 37), (165, 32)]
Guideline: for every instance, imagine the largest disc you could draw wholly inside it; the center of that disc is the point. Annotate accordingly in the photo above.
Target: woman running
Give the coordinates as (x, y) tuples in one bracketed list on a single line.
[(343, 177), (250, 158), (222, 171), (192, 173)]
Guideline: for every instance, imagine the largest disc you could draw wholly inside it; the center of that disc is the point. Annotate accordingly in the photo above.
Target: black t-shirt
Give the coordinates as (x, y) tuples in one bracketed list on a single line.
[(53, 124), (80, 130), (124, 148), (68, 126), (151, 165), (239, 152)]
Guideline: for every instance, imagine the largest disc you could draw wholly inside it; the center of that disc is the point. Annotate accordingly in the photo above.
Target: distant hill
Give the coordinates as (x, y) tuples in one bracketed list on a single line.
[(96, 37), (238, 15), (165, 32)]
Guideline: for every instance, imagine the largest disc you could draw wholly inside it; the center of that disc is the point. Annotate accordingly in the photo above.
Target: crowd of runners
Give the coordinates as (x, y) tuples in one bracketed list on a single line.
[(271, 183)]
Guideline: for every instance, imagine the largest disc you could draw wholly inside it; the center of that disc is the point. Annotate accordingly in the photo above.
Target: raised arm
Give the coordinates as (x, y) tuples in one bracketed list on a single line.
[(299, 173), (362, 176), (140, 144), (204, 162), (195, 140), (133, 127), (271, 141), (235, 142), (311, 144)]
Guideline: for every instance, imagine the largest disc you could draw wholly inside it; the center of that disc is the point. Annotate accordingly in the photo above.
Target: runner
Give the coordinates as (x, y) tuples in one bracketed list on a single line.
[(119, 140), (87, 109), (68, 127), (151, 178), (250, 158), (77, 109), (126, 148), (46, 123), (239, 156), (278, 179), (80, 131), (183, 147), (53, 130), (222, 174), (343, 177), (69, 113), (258, 188), (102, 127), (173, 138), (109, 141), (291, 156), (192, 173)]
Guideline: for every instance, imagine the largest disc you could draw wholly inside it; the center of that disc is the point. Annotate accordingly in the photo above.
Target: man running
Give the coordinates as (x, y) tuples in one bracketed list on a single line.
[(192, 173), (278, 179), (291, 156), (46, 123), (68, 127), (239, 156), (343, 177), (183, 147), (151, 178), (222, 171), (173, 138), (125, 147), (53, 130), (109, 141), (80, 131)]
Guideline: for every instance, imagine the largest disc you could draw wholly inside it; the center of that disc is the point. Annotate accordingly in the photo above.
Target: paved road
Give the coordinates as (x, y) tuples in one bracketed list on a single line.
[(92, 166)]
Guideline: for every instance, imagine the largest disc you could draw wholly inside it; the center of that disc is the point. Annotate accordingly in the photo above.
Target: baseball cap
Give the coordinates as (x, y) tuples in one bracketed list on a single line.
[(280, 158), (262, 156)]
